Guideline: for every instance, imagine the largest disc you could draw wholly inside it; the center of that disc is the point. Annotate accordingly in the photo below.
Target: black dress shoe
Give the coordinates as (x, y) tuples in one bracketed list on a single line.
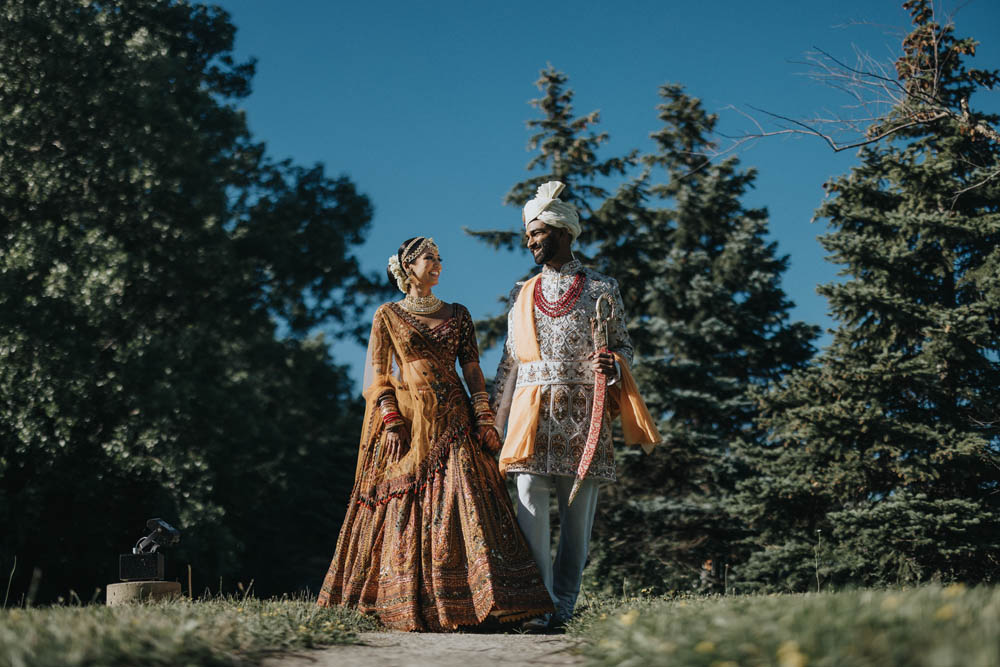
[(537, 625), (557, 625)]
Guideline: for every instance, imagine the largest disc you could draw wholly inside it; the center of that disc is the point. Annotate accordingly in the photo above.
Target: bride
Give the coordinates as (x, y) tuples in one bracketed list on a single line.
[(430, 541)]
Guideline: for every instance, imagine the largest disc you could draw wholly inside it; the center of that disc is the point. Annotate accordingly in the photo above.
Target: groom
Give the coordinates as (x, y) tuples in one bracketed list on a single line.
[(545, 394)]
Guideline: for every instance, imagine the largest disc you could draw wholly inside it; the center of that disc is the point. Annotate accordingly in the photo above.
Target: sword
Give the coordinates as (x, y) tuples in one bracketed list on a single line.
[(605, 310)]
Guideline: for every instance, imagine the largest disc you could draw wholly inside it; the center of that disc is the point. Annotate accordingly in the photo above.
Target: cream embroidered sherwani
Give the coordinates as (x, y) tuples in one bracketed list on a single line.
[(565, 374)]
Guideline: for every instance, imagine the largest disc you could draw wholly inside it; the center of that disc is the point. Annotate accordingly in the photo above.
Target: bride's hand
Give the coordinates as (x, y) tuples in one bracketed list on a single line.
[(489, 438), (397, 442)]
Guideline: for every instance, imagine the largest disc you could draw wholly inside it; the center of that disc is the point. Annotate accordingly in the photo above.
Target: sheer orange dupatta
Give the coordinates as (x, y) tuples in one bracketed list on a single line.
[(386, 372)]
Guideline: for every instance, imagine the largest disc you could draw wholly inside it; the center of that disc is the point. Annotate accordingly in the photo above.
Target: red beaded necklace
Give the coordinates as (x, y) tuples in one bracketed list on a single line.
[(565, 303)]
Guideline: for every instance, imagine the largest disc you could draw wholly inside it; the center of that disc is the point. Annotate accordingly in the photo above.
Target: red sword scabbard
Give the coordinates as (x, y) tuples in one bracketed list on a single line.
[(596, 417), (599, 327)]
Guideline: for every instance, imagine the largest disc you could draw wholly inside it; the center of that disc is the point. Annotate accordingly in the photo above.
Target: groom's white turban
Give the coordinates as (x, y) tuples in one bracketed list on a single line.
[(552, 211)]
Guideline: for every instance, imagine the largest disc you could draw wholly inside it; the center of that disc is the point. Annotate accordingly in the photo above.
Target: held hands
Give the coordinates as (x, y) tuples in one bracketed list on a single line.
[(604, 363), (486, 430), (489, 438), (397, 442)]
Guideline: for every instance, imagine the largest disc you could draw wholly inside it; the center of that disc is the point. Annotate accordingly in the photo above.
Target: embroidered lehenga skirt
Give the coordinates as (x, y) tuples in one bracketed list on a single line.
[(430, 543)]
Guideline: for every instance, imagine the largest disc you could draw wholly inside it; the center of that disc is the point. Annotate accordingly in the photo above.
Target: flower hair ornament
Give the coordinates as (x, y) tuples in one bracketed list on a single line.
[(396, 269)]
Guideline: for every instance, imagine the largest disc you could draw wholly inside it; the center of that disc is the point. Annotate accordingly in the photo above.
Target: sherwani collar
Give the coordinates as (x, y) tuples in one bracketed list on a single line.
[(570, 268)]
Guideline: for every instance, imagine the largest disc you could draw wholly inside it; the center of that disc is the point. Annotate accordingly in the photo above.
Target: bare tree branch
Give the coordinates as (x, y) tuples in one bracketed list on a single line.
[(887, 98), (805, 128)]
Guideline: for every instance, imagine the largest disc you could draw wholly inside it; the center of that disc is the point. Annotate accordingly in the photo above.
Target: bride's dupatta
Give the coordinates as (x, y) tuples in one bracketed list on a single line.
[(400, 361)]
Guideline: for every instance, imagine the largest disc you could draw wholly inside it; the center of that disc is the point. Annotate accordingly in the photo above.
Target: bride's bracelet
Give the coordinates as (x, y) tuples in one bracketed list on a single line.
[(484, 415), (480, 399), (481, 403), (392, 420), (390, 413)]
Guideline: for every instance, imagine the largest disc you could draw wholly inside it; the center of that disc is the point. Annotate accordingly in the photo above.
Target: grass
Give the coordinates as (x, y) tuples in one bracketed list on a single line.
[(937, 626), (221, 631), (930, 626)]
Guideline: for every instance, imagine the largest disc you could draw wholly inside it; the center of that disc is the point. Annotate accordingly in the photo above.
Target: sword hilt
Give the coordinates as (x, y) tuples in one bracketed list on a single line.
[(599, 327)]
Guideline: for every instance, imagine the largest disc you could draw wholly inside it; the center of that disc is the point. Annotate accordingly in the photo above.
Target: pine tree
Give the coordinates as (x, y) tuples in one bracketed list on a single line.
[(567, 148), (709, 320), (883, 461)]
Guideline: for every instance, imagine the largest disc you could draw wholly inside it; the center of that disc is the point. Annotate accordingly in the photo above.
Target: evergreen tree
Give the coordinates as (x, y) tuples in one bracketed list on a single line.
[(709, 320), (883, 462), (567, 148), (149, 247)]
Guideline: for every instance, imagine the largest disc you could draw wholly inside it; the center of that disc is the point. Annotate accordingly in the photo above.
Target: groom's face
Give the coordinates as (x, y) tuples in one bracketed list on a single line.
[(542, 241)]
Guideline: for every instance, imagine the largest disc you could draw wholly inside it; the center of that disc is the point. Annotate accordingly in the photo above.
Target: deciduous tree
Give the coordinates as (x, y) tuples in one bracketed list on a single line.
[(150, 247)]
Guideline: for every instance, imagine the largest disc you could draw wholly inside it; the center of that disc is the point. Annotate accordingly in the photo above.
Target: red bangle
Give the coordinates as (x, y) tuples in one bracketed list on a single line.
[(391, 416)]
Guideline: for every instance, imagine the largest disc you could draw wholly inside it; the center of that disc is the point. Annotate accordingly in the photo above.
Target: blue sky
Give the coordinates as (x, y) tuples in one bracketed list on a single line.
[(423, 105)]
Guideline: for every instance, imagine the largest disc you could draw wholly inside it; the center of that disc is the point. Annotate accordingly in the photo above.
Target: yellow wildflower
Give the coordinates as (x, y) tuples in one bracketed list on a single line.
[(890, 603), (704, 647), (945, 612), (953, 591), (789, 655), (628, 618)]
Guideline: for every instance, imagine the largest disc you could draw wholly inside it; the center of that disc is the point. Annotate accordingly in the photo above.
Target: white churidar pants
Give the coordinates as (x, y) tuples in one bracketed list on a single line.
[(563, 578)]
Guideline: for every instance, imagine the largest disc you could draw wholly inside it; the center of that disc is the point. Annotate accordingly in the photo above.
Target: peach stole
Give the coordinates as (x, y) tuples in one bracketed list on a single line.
[(522, 426)]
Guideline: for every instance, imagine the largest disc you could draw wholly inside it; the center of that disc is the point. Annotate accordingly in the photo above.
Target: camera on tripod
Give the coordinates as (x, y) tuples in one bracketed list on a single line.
[(146, 562)]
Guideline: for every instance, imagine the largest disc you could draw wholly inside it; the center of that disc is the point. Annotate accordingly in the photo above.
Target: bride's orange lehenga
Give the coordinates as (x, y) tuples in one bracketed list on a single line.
[(429, 542)]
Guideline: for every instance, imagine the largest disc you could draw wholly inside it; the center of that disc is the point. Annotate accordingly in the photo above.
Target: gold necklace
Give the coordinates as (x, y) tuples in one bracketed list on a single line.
[(421, 305)]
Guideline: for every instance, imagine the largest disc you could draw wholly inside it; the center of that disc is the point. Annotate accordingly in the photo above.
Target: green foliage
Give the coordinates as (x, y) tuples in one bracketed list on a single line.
[(567, 148), (709, 321), (150, 248), (221, 631), (888, 448), (708, 318), (943, 627)]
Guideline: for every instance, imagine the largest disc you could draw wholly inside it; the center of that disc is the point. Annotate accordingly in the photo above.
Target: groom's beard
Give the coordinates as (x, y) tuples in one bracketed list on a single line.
[(546, 252)]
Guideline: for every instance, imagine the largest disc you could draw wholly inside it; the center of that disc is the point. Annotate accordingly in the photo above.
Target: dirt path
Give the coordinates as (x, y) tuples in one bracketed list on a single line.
[(411, 649)]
